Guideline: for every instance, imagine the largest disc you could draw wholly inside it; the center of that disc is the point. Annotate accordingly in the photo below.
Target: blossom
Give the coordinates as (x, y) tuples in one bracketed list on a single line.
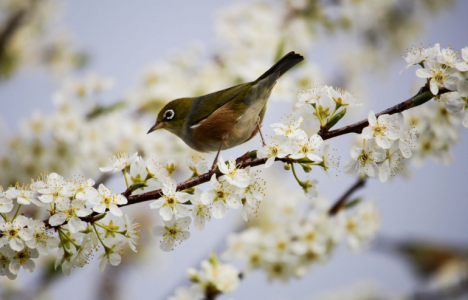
[(276, 146), (362, 225), (15, 233), (104, 199), (310, 188), (111, 254), (171, 201), (201, 211), (222, 193), (81, 257), (418, 56), (309, 97), (197, 166), (173, 231), (23, 194), (40, 239), (324, 108), (119, 162), (82, 190), (388, 167), (448, 57), (6, 256), (463, 65), (252, 196), (289, 129), (55, 189), (23, 258), (461, 102), (407, 137), (329, 162), (382, 129), (365, 159), (232, 174), (156, 169), (71, 211), (224, 277), (6, 204), (309, 148), (132, 232), (342, 98), (439, 76)]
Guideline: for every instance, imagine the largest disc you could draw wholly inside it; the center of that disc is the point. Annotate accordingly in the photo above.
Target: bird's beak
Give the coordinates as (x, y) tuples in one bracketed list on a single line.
[(156, 127)]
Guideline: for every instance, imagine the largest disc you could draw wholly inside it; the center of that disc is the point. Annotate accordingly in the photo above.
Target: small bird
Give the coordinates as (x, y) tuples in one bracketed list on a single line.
[(223, 119)]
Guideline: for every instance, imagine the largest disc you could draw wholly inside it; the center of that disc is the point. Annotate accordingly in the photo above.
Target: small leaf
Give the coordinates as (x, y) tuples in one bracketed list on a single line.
[(137, 186), (336, 118), (353, 203)]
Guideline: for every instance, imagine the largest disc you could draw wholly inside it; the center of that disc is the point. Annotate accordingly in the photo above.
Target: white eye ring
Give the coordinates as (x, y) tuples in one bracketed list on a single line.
[(169, 114)]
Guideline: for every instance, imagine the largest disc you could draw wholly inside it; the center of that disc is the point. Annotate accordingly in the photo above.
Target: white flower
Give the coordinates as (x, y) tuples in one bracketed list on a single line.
[(171, 166), (463, 65), (201, 211), (6, 204), (329, 162), (15, 233), (309, 97), (343, 98), (222, 193), (448, 58), (157, 170), (119, 161), (439, 75), (132, 234), (81, 257), (407, 138), (365, 160), (324, 108), (252, 196), (40, 239), (197, 166), (111, 255), (105, 199), (362, 225), (173, 230), (224, 277), (23, 258), (460, 103), (171, 201), (23, 194), (289, 129), (71, 211), (310, 188), (309, 239), (382, 129), (309, 148), (234, 176), (417, 56), (55, 189), (276, 146), (6, 256), (82, 190), (388, 167)]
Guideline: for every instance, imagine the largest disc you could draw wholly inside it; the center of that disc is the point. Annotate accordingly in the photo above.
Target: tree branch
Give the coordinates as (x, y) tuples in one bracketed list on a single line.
[(340, 204)]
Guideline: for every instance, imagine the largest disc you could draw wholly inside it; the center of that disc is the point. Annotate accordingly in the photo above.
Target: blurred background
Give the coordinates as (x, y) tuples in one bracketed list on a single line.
[(80, 80)]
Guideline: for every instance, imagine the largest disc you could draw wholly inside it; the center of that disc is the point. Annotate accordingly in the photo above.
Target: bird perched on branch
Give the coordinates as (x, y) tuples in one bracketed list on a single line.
[(227, 118)]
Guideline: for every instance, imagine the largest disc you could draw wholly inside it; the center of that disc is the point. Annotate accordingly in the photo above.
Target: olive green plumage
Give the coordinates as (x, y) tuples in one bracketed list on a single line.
[(227, 118)]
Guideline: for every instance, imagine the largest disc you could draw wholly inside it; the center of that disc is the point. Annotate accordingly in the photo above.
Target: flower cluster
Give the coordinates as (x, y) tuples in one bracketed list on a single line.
[(80, 232), (214, 278), (235, 188), (444, 69), (297, 240)]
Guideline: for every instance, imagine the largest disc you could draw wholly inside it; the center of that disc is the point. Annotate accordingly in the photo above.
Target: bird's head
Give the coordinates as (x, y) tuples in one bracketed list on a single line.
[(173, 116)]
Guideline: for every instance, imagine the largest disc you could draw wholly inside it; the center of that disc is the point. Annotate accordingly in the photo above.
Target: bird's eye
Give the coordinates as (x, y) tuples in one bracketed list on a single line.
[(169, 114)]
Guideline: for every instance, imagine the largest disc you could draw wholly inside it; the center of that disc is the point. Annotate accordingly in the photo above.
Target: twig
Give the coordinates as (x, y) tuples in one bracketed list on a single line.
[(338, 206)]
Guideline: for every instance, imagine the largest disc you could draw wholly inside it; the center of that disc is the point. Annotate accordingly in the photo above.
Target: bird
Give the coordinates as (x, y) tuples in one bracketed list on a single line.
[(226, 118)]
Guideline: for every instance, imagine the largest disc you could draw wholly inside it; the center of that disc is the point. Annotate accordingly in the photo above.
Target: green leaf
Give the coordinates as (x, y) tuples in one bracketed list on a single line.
[(336, 118), (352, 203), (137, 186)]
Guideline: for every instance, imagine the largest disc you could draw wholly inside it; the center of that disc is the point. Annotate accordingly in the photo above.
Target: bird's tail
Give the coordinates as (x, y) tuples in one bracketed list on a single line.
[(283, 65)]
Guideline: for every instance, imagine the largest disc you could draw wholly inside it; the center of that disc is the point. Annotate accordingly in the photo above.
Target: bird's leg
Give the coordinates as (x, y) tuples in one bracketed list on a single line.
[(213, 167), (261, 135)]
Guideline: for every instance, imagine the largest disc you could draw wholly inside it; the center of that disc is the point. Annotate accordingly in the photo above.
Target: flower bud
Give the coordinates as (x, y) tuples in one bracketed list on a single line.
[(287, 166)]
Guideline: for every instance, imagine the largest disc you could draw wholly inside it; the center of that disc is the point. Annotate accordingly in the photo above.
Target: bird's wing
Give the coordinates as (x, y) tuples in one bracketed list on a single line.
[(204, 106)]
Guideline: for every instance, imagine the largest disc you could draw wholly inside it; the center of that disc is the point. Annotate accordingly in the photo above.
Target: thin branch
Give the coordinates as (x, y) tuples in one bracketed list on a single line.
[(340, 204)]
